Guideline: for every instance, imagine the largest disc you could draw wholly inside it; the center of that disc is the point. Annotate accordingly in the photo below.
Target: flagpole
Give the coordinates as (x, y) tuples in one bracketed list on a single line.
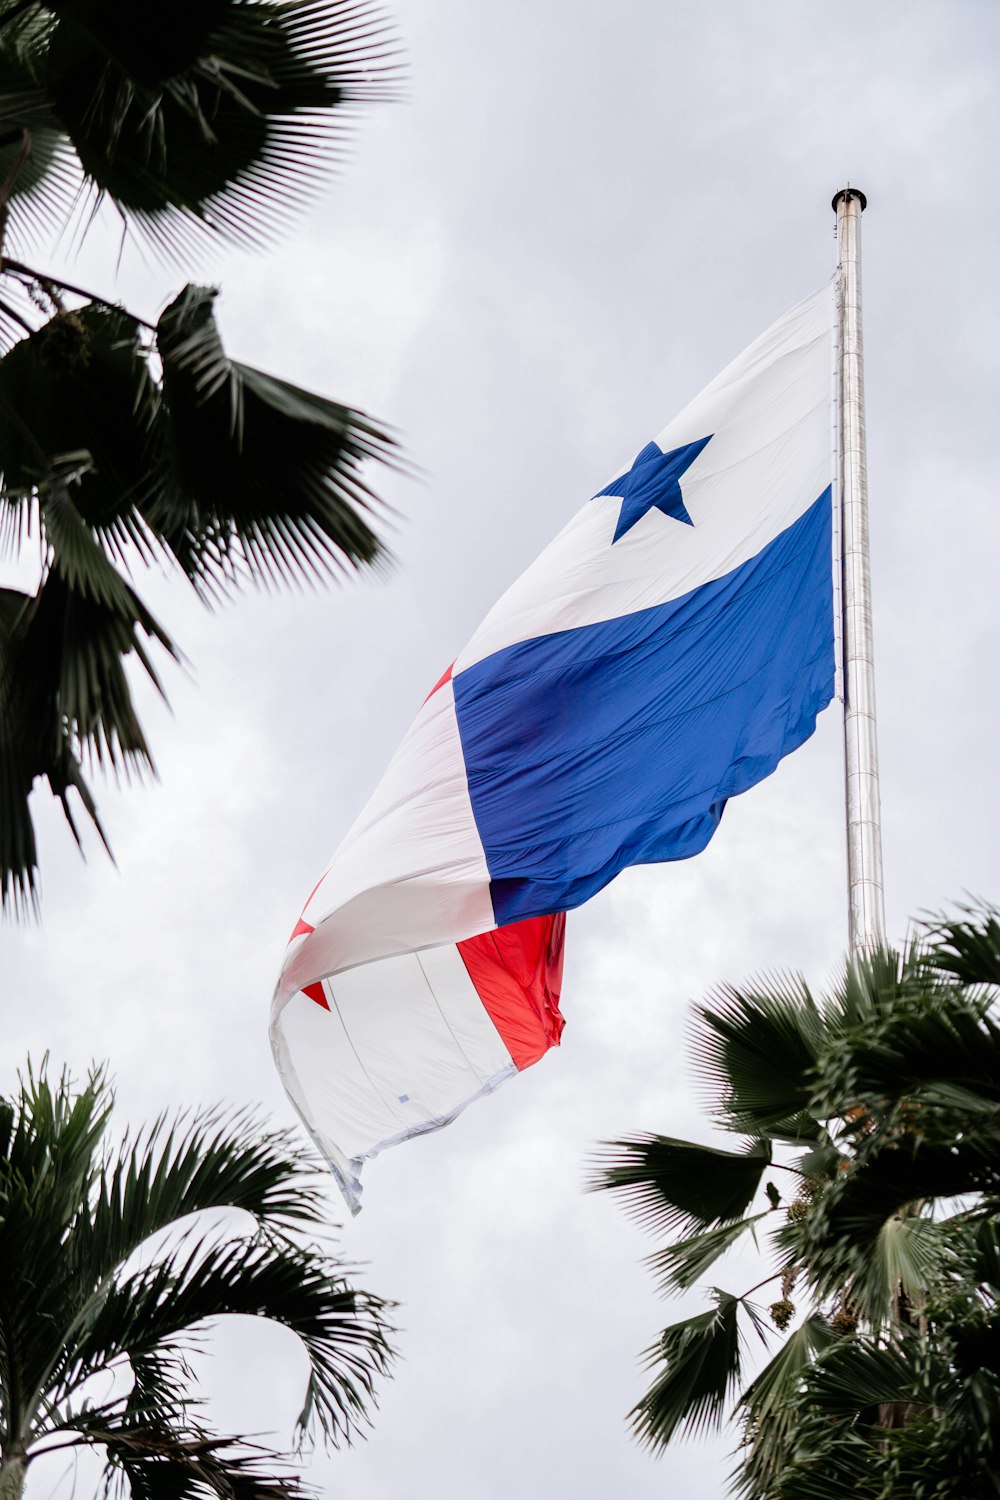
[(866, 902)]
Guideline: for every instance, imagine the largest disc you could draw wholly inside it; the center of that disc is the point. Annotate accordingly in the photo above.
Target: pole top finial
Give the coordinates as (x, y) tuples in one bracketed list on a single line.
[(845, 194)]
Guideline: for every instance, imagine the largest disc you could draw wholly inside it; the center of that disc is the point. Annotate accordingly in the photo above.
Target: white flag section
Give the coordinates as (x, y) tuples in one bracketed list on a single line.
[(663, 653)]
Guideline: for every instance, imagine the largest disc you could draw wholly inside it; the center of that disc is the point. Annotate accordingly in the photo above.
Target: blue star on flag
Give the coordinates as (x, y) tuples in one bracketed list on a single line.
[(653, 480)]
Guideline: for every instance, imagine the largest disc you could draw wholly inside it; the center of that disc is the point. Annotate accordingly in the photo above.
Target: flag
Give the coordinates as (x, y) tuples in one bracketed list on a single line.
[(662, 654)]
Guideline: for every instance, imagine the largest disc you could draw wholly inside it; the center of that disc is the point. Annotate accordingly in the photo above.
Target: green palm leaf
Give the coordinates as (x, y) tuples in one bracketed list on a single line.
[(35, 741), (39, 173), (985, 1257), (890, 1387), (968, 947), (78, 412), (171, 1172), (769, 1404), (872, 985), (157, 1463), (856, 1376), (756, 1051), (48, 1167), (840, 1468), (71, 662), (224, 117), (84, 1290), (899, 1030), (671, 1185), (161, 1394), (905, 1254), (264, 478), (64, 691), (771, 1388), (701, 1364), (677, 1267), (221, 117), (151, 44), (233, 473), (339, 1327)]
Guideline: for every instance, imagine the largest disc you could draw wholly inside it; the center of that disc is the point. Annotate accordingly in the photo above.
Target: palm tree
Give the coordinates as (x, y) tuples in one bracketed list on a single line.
[(870, 1160), (892, 1418), (125, 441), (84, 1292)]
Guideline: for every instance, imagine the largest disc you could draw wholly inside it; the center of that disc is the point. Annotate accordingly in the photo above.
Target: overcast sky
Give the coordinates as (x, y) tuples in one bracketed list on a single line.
[(582, 211)]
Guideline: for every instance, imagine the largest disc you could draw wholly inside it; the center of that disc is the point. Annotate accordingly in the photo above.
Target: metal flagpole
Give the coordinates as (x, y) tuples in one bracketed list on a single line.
[(866, 904)]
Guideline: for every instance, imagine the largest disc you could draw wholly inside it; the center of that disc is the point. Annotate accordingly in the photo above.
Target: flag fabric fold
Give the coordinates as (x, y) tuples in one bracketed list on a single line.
[(662, 654)]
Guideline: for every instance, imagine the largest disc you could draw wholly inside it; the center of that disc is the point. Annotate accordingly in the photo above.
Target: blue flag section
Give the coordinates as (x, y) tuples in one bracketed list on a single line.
[(619, 743)]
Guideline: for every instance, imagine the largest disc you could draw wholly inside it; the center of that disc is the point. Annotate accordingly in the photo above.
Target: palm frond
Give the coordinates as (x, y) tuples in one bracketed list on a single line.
[(153, 45), (892, 1381), (48, 1168), (72, 663), (871, 986), (158, 1462), (34, 742), (265, 477), (162, 1382), (672, 1185), (778, 1380), (985, 1267), (840, 1466), (64, 690), (769, 1406), (967, 947), (18, 316), (700, 1363), (78, 413), (77, 1301), (677, 1267), (51, 1147), (224, 118), (917, 1037), (874, 1420), (344, 1331), (212, 1161), (39, 174), (18, 854), (755, 1051), (857, 1375), (878, 1258), (909, 1255)]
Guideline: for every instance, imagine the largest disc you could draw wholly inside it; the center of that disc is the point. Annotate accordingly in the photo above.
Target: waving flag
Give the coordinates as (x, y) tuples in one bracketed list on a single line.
[(663, 653)]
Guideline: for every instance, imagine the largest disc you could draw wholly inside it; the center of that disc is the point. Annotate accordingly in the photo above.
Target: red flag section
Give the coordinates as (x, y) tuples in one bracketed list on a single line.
[(517, 973)]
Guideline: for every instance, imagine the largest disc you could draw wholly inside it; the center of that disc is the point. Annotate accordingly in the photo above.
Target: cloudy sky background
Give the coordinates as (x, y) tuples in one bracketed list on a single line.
[(582, 212)]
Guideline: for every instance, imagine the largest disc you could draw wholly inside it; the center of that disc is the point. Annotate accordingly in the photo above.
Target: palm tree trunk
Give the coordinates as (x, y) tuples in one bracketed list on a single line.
[(13, 1468)]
